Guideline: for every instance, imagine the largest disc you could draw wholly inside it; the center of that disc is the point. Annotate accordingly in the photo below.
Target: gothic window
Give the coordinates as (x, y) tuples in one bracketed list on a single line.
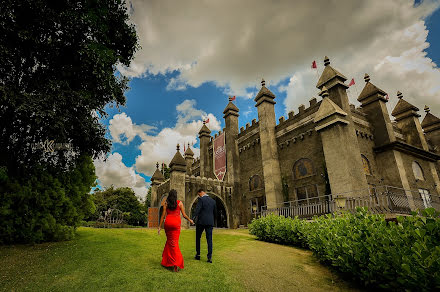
[(307, 194), (417, 170), (303, 168), (255, 183), (366, 165)]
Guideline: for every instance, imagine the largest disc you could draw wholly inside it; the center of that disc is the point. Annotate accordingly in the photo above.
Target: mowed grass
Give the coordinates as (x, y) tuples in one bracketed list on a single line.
[(129, 260)]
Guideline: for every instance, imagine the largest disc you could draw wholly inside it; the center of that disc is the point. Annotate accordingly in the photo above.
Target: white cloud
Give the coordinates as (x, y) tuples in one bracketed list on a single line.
[(162, 147), (114, 172), (400, 65), (124, 131), (235, 43)]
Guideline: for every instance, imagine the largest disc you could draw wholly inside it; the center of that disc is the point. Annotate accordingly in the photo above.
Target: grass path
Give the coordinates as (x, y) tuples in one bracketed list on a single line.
[(129, 260)]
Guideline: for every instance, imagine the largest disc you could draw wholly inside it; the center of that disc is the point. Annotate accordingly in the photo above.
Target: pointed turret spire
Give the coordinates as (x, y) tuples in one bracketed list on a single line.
[(430, 122), (264, 95), (404, 108), (367, 77), (189, 152), (324, 92), (178, 162), (157, 176), (330, 74), (371, 92)]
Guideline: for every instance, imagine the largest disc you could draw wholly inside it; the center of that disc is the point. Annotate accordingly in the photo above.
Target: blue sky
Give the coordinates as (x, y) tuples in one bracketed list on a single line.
[(177, 81)]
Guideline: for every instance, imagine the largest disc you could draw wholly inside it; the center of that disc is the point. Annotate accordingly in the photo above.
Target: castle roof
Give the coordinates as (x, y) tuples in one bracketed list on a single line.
[(178, 160), (328, 108), (189, 152), (157, 176), (329, 73), (430, 120), (231, 107), (204, 130), (402, 106), (369, 89), (264, 94)]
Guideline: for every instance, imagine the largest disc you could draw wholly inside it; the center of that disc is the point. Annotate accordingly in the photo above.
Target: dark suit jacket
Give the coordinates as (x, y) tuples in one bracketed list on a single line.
[(205, 212)]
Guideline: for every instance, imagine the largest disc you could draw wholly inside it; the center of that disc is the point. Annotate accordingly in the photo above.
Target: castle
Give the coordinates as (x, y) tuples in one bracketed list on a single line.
[(328, 150)]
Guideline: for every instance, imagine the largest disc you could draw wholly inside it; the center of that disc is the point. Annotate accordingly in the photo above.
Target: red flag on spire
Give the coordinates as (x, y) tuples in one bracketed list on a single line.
[(206, 121), (351, 82), (232, 98), (314, 65)]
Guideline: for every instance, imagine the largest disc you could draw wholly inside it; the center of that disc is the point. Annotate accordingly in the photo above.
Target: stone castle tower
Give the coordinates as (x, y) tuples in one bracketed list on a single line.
[(328, 150)]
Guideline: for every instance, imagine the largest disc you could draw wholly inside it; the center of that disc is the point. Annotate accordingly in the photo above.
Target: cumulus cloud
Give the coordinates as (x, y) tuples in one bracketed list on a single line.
[(124, 131), (114, 172), (156, 148), (235, 43), (162, 147)]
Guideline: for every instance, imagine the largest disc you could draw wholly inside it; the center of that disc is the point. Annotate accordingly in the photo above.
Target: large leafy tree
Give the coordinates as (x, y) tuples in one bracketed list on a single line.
[(58, 72)]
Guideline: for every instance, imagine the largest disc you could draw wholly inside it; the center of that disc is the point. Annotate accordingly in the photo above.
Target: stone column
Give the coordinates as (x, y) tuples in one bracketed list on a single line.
[(373, 103), (177, 179), (156, 180), (189, 158), (341, 151), (232, 161), (205, 137), (407, 120), (269, 151)]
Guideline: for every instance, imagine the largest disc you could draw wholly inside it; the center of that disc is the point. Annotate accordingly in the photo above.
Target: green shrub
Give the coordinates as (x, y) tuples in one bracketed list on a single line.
[(396, 256)]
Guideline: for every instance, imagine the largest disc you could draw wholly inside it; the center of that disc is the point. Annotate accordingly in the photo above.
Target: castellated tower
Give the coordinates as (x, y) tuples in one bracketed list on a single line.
[(336, 127), (156, 180), (205, 159), (269, 152)]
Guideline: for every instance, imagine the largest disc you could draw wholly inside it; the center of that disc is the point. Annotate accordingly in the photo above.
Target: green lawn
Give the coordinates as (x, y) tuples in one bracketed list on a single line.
[(129, 260)]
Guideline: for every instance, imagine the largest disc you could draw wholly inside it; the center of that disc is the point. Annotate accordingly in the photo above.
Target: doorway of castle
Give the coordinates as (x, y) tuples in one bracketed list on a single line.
[(222, 214)]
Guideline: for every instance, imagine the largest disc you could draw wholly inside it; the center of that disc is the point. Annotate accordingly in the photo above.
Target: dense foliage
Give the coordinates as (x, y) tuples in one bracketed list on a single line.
[(123, 199), (57, 70), (397, 256), (45, 206), (57, 74)]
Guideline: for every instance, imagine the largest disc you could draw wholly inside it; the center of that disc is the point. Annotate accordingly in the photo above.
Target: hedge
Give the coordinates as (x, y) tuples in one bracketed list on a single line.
[(402, 255)]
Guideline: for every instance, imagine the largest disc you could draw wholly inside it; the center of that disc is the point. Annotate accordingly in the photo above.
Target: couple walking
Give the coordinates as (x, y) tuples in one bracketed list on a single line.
[(204, 219)]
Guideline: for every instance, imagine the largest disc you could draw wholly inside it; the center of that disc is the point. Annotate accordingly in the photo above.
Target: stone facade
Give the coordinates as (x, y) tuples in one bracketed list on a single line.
[(328, 148)]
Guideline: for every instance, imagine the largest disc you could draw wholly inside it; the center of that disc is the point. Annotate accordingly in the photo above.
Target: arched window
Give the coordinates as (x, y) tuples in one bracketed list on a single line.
[(366, 165), (417, 170), (255, 183), (303, 168)]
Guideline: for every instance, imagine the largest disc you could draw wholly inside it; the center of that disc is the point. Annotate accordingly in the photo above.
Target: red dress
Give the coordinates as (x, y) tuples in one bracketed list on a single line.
[(171, 255)]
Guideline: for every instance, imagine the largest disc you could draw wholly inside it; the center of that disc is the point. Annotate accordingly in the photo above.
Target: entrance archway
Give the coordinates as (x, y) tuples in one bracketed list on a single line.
[(222, 219)]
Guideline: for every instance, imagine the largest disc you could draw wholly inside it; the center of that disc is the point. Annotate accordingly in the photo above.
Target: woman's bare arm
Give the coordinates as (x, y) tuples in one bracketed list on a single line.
[(164, 213), (182, 208)]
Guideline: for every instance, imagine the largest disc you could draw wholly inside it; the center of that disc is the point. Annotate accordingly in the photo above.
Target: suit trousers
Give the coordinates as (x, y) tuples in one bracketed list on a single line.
[(208, 233)]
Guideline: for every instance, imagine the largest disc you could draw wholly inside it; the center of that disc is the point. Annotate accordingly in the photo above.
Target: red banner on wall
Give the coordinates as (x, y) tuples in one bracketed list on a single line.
[(219, 156)]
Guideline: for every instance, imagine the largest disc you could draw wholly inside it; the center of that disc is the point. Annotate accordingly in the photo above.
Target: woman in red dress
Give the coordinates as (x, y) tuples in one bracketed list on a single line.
[(171, 256)]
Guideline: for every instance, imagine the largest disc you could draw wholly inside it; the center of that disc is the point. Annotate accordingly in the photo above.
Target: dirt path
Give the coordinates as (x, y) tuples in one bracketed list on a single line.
[(263, 266)]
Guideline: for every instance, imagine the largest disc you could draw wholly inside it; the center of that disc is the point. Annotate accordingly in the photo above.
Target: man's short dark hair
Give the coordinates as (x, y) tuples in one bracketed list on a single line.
[(200, 190)]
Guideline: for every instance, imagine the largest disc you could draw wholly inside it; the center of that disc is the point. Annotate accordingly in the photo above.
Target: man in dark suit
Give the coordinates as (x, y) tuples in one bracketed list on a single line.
[(204, 217)]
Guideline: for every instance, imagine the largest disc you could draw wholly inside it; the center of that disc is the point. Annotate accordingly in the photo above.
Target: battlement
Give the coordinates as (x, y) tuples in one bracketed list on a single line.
[(249, 127), (303, 116)]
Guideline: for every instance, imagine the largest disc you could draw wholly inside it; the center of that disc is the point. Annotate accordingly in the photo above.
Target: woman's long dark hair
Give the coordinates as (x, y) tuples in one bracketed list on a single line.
[(172, 200)]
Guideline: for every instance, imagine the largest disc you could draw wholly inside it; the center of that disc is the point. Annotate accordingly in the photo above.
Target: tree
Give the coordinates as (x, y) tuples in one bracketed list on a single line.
[(46, 207), (57, 73), (58, 63), (123, 199), (165, 171)]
